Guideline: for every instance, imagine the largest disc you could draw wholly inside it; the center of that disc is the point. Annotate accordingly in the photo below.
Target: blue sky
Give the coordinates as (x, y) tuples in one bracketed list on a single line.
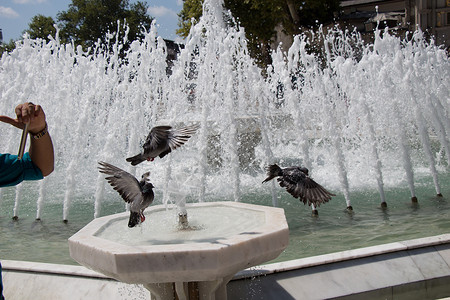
[(15, 15)]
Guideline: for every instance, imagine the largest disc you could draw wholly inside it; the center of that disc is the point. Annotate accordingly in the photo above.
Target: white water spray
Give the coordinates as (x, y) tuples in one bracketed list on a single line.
[(40, 200), (100, 107)]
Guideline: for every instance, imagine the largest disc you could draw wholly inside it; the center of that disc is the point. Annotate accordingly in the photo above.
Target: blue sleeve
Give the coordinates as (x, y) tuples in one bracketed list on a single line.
[(13, 171)]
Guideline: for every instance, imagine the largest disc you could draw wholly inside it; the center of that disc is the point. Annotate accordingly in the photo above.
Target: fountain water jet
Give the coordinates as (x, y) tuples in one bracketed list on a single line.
[(40, 200), (427, 149), (406, 156), (266, 146), (375, 158), (16, 202), (285, 114)]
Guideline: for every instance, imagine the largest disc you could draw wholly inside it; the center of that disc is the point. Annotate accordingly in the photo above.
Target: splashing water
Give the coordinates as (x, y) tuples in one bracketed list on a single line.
[(359, 117)]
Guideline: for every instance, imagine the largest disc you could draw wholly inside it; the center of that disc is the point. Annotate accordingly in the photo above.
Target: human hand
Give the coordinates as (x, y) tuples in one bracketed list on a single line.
[(27, 113)]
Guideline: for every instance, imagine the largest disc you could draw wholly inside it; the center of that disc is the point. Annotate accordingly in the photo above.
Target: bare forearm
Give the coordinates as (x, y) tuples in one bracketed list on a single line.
[(41, 153)]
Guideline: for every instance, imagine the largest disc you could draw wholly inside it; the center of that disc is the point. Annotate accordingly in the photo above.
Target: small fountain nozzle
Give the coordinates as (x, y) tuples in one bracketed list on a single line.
[(183, 220)]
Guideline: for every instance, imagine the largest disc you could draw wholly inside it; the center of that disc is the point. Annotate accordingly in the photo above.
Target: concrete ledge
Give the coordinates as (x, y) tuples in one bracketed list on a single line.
[(50, 269), (344, 256), (30, 280), (414, 269)]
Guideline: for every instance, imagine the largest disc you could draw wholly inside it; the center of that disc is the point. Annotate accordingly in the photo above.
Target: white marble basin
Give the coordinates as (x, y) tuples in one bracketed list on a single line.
[(228, 237)]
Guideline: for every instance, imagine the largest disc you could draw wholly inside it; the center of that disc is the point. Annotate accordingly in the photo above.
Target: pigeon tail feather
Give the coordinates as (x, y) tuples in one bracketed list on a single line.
[(135, 160), (134, 219)]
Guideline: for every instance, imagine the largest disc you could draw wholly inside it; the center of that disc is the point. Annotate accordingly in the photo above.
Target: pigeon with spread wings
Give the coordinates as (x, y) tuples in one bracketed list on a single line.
[(298, 183), (139, 194), (161, 141)]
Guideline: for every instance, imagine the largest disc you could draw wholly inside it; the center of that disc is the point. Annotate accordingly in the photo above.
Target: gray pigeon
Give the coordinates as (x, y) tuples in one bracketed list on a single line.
[(299, 184), (161, 141), (139, 194)]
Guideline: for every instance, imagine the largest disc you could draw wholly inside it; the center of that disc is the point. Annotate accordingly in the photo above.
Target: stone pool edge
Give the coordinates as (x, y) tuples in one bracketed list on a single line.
[(413, 269)]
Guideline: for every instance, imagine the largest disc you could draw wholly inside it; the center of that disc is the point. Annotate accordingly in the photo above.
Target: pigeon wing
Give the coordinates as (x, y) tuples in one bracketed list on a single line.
[(123, 182), (314, 193), (301, 186), (178, 137), (158, 135)]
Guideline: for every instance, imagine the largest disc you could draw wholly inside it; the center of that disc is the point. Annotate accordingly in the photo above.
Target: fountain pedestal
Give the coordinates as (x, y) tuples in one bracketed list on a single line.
[(225, 237)]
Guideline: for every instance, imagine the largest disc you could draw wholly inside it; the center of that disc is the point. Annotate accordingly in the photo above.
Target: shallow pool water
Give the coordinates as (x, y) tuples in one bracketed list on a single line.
[(334, 229)]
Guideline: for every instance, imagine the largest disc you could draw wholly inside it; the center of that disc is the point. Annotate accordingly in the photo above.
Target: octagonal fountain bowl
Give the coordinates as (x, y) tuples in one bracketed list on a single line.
[(171, 259)]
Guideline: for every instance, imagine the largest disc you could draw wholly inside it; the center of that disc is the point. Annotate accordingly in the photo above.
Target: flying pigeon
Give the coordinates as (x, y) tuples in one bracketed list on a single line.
[(161, 141), (139, 194), (299, 184)]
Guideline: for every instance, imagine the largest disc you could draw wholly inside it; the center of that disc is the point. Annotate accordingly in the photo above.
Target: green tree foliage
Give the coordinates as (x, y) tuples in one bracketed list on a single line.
[(87, 21), (41, 27), (192, 10), (7, 47), (310, 13)]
